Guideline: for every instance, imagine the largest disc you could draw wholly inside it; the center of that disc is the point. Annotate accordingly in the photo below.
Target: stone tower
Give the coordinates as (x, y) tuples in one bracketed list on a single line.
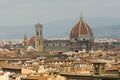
[(25, 42), (39, 38)]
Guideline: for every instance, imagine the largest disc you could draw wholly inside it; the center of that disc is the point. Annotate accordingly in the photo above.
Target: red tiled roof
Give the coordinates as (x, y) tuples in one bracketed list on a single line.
[(32, 40), (36, 78), (12, 67), (56, 41), (111, 68)]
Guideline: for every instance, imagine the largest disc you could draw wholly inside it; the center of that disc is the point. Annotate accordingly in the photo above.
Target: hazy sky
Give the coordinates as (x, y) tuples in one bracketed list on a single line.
[(27, 12), (23, 12)]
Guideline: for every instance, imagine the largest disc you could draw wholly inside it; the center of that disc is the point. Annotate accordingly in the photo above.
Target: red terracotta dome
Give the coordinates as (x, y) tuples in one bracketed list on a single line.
[(81, 29), (81, 36), (32, 40)]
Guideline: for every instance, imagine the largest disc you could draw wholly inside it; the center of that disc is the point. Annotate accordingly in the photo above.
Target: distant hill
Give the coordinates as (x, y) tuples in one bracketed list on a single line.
[(101, 27), (107, 31)]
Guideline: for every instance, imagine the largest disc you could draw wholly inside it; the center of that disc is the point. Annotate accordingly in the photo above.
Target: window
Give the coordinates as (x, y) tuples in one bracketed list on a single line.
[(60, 44), (75, 39), (37, 33), (53, 44), (46, 44), (67, 45), (83, 38)]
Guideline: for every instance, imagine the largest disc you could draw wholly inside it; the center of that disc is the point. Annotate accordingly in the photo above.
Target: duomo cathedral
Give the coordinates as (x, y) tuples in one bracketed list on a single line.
[(81, 38)]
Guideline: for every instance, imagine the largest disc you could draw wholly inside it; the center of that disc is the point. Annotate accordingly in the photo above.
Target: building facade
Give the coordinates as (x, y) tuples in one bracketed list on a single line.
[(81, 37), (56, 45)]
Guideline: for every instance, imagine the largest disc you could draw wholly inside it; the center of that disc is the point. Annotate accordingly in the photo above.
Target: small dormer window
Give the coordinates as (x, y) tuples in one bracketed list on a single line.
[(75, 39)]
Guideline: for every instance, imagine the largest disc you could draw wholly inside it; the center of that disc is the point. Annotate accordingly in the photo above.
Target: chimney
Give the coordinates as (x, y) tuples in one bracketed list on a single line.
[(99, 67)]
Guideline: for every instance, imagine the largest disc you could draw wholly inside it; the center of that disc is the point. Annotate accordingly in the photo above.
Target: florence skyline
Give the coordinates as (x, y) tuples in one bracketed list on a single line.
[(22, 15)]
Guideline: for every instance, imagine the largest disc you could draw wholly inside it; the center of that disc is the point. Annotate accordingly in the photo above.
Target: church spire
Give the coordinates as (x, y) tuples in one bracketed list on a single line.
[(25, 36), (25, 42)]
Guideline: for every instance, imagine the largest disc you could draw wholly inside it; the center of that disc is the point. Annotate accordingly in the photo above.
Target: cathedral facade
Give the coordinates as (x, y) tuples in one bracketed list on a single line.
[(81, 37)]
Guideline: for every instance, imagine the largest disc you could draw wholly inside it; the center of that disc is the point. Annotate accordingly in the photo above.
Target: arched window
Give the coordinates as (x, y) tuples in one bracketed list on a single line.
[(60, 44), (37, 33), (75, 39), (83, 39), (53, 44)]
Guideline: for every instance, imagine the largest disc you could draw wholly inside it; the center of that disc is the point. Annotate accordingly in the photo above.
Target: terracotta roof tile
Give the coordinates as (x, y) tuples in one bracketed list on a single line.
[(36, 78)]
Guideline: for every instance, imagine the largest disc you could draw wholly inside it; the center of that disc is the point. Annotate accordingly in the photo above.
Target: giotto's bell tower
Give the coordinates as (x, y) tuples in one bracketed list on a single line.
[(39, 37)]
